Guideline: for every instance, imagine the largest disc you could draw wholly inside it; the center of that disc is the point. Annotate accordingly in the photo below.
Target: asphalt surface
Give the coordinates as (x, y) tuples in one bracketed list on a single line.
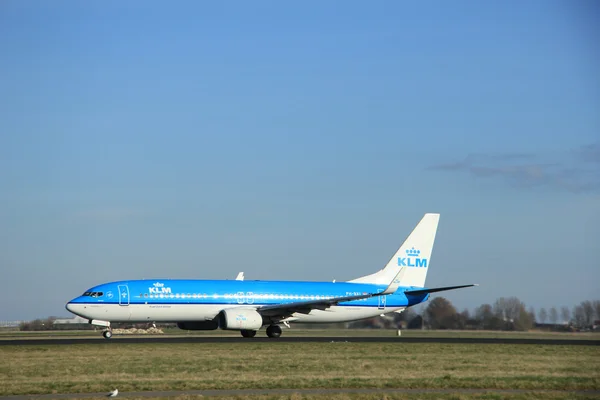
[(258, 392), (123, 340)]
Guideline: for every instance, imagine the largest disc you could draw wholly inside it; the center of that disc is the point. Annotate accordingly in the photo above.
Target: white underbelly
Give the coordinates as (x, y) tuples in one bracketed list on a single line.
[(342, 314), (174, 312), (203, 312)]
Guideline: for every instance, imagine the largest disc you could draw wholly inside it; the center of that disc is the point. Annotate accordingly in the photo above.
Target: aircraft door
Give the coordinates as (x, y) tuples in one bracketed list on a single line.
[(123, 295), (381, 301)]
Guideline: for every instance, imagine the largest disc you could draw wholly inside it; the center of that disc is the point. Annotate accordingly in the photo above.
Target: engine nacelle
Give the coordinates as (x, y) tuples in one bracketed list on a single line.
[(198, 325), (240, 318)]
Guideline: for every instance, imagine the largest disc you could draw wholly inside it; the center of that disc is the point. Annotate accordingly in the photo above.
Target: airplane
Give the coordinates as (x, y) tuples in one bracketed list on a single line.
[(247, 305)]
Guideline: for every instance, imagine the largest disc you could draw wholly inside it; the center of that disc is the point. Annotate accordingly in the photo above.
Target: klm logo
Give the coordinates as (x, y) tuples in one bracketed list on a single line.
[(159, 288), (412, 259)]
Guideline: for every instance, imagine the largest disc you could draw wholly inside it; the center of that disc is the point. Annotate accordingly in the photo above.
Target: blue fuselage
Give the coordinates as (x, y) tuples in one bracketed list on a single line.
[(232, 292)]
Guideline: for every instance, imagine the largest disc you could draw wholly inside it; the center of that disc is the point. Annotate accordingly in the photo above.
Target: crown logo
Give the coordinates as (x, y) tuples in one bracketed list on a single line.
[(158, 284), (412, 252)]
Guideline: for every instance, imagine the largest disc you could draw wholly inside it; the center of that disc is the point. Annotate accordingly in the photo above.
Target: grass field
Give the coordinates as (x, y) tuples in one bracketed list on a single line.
[(379, 396), (155, 367), (376, 396)]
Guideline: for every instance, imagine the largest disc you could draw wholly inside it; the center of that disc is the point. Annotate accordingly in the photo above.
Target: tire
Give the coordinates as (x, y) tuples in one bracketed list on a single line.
[(248, 333), (274, 331), (107, 334)]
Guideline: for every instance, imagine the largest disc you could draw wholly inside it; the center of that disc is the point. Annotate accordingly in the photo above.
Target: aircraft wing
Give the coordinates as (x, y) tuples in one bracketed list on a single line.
[(419, 292), (284, 310), (304, 307)]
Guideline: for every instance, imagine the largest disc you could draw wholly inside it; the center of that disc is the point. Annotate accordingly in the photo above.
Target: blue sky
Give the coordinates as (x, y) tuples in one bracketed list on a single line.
[(298, 141)]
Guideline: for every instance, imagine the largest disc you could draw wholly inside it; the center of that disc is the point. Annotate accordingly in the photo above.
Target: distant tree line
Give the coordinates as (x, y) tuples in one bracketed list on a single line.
[(507, 313), (37, 325), (49, 325)]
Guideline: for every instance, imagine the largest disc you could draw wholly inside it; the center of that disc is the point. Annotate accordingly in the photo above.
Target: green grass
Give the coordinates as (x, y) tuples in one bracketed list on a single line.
[(151, 367), (393, 396)]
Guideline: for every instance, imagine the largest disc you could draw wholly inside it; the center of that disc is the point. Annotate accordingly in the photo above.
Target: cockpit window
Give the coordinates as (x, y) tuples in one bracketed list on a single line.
[(94, 294), (87, 293)]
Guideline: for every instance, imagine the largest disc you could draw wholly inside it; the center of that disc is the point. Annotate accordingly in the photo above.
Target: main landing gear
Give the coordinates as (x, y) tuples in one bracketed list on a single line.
[(248, 333), (107, 334), (274, 331)]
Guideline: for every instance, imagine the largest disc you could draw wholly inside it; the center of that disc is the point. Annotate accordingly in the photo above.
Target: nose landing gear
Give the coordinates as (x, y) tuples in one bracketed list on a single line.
[(107, 334)]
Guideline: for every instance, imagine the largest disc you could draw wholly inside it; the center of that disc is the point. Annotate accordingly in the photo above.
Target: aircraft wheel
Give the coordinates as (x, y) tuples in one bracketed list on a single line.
[(248, 333), (274, 331), (107, 334)]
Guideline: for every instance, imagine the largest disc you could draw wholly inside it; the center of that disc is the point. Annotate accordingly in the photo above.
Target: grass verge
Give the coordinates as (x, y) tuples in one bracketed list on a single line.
[(156, 367)]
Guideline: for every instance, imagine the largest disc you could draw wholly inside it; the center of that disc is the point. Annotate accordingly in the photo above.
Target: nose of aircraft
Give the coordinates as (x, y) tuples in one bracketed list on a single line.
[(74, 307)]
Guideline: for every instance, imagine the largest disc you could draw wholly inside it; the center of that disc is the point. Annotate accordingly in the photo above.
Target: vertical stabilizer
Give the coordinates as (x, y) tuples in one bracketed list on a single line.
[(414, 256)]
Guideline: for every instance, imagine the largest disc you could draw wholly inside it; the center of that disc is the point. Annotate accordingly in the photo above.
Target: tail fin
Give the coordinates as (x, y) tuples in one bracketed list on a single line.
[(414, 256)]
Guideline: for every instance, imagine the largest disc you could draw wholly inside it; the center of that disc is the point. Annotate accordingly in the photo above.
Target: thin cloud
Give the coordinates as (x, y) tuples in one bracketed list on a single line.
[(590, 153), (576, 174), (481, 159), (503, 157)]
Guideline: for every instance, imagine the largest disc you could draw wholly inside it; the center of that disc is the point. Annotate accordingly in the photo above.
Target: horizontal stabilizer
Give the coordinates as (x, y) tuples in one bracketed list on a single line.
[(419, 292)]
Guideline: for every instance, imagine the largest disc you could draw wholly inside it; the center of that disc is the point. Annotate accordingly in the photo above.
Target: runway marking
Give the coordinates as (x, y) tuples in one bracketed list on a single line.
[(256, 392)]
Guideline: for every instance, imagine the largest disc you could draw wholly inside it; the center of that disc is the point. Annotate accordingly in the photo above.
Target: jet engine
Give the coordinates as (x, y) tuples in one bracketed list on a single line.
[(240, 319), (198, 325)]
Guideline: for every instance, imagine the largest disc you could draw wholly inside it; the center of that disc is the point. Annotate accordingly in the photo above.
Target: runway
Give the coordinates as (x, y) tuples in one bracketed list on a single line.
[(124, 340)]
